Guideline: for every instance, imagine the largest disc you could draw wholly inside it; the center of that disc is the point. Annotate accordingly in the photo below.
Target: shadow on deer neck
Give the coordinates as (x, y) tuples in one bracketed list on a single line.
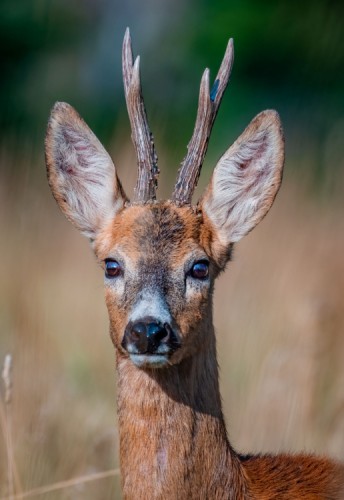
[(173, 439)]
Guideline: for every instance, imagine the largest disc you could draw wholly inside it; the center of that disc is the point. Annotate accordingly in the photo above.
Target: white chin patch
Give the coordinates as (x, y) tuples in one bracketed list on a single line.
[(149, 360)]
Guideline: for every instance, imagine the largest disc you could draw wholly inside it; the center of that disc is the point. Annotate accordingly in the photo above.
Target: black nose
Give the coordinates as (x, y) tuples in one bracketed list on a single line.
[(146, 336)]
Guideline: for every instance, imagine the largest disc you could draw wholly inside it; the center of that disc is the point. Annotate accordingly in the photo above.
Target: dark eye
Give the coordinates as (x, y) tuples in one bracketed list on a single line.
[(112, 268), (200, 270)]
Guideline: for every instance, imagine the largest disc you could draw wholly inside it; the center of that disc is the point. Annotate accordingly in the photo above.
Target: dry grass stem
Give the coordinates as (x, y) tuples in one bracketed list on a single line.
[(64, 484), (7, 381), (3, 426), (6, 377)]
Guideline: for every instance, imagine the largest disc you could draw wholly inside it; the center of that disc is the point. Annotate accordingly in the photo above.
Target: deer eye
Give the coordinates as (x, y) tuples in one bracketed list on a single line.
[(200, 270), (112, 268)]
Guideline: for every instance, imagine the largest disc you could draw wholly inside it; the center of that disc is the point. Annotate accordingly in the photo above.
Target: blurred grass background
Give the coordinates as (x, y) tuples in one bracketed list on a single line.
[(279, 308)]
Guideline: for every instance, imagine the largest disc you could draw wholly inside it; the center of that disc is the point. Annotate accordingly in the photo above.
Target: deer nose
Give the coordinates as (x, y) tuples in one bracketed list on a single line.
[(145, 336)]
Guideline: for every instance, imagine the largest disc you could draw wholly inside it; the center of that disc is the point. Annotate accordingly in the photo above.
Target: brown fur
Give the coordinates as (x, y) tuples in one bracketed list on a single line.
[(302, 477)]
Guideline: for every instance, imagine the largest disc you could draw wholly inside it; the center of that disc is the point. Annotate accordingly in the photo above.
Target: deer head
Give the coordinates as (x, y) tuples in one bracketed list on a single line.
[(160, 258)]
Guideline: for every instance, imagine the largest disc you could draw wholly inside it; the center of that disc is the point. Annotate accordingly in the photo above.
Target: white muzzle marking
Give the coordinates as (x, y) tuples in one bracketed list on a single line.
[(153, 305)]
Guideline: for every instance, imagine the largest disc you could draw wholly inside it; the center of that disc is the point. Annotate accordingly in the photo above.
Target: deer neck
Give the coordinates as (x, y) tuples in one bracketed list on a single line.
[(171, 425)]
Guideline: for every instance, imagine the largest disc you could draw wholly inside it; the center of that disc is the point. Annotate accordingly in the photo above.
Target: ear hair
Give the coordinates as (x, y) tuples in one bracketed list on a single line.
[(246, 179), (81, 174)]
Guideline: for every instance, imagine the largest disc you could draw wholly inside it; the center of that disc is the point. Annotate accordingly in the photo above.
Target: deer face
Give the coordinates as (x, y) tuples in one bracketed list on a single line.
[(160, 259), (159, 275)]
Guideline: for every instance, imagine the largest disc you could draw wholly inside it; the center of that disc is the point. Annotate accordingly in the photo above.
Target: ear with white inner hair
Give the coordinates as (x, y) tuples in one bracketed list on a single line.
[(81, 174), (245, 180)]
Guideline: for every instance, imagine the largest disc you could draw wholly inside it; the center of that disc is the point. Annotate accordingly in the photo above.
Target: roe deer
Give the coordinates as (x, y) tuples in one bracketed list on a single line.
[(160, 260)]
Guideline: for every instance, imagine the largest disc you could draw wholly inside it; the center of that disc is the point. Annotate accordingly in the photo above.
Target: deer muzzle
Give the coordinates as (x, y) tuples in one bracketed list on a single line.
[(149, 342)]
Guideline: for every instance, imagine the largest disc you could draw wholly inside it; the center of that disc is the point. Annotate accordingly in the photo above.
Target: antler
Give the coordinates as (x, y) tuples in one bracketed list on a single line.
[(208, 105), (142, 137)]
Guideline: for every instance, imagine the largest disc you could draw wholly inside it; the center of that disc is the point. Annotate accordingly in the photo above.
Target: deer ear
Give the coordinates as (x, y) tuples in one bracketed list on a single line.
[(245, 180), (81, 174)]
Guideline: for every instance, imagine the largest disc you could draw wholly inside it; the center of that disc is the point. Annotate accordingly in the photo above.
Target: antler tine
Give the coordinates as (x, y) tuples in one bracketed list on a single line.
[(127, 60), (147, 179), (208, 105)]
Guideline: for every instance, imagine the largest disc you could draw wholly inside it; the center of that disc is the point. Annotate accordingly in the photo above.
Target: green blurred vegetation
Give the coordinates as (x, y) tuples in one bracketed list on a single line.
[(31, 33), (289, 56)]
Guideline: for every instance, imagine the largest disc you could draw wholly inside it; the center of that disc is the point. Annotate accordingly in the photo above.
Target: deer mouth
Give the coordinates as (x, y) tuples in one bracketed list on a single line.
[(148, 360)]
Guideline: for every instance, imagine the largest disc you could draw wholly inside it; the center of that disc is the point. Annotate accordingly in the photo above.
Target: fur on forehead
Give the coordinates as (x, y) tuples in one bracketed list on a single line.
[(161, 225)]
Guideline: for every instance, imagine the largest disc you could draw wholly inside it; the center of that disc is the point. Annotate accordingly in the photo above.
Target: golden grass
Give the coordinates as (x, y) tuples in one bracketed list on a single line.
[(279, 316)]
